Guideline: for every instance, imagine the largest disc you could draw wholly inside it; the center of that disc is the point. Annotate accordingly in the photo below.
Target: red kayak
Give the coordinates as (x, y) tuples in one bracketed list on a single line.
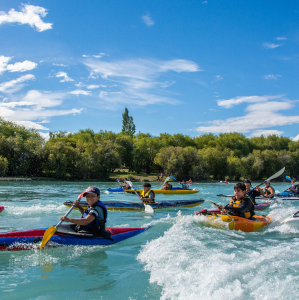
[(1, 208)]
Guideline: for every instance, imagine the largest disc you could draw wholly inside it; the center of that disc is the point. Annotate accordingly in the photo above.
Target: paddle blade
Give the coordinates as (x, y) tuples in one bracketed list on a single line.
[(173, 178), (288, 178), (166, 180), (277, 174), (47, 235), (148, 209)]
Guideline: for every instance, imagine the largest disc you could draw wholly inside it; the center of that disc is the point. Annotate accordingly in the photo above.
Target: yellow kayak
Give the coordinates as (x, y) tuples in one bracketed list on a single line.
[(168, 192), (237, 223)]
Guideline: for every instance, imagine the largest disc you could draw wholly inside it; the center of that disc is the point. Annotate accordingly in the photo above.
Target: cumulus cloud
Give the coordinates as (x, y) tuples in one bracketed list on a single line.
[(16, 67), (296, 138), (29, 14), (21, 66), (15, 85), (65, 77), (80, 92), (34, 108), (137, 81), (148, 20), (266, 132), (262, 112), (271, 46)]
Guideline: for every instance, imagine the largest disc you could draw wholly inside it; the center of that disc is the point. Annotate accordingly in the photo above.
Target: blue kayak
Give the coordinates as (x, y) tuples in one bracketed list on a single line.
[(65, 235), (286, 194), (120, 190)]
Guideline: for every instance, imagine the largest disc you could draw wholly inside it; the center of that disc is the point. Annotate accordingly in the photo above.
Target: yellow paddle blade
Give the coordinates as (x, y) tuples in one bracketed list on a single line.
[(47, 235)]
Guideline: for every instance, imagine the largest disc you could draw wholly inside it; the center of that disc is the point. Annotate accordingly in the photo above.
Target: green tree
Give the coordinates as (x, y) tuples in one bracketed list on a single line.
[(128, 124), (3, 165)]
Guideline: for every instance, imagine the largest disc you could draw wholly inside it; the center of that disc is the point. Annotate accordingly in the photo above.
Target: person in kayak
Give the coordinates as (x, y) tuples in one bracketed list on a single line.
[(147, 195), (268, 190), (166, 186), (185, 185), (124, 185), (94, 217), (240, 205), (294, 188), (252, 193)]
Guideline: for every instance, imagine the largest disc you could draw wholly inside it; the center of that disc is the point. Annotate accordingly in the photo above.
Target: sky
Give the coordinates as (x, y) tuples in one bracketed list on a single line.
[(188, 67)]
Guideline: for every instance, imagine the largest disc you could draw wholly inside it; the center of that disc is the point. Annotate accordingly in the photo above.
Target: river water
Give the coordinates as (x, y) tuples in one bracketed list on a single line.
[(177, 258)]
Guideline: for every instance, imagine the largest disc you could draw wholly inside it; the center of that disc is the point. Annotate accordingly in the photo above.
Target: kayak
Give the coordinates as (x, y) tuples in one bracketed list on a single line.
[(286, 194), (1, 208), (258, 206), (168, 192), (120, 190), (124, 205), (292, 221), (65, 235), (261, 197), (236, 223)]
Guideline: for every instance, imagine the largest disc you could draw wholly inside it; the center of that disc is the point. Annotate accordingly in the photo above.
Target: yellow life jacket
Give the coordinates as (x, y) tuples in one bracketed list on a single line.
[(146, 195), (237, 203)]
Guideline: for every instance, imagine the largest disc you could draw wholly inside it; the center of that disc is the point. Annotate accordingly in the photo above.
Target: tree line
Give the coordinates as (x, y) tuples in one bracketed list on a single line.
[(90, 155)]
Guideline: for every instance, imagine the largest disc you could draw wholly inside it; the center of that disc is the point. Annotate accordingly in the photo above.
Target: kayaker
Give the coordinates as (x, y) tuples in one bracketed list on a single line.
[(166, 186), (124, 185), (241, 204), (252, 193), (268, 190), (147, 195), (294, 188), (93, 218), (185, 185)]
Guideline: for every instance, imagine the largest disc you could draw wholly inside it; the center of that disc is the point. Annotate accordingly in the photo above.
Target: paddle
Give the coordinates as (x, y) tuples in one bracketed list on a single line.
[(289, 178), (51, 230), (277, 174), (147, 208)]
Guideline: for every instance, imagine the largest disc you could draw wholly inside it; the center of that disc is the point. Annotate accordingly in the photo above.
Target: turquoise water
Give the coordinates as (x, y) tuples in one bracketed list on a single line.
[(178, 258)]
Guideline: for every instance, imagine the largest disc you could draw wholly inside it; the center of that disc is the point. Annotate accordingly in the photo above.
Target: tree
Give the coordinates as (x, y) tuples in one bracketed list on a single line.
[(128, 124)]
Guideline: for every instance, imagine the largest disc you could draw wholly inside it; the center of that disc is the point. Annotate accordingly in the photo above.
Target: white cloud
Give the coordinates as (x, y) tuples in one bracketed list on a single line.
[(271, 76), (266, 132), (271, 46), (31, 125), (29, 14), (84, 55), (99, 55), (60, 65), (21, 66), (14, 85), (136, 80), (281, 38), (247, 99), (263, 113), (65, 77), (148, 20), (3, 63), (296, 138), (93, 86), (80, 92)]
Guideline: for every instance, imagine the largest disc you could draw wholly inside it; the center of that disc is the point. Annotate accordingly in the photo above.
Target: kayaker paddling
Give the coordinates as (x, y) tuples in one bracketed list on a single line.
[(294, 188), (268, 190), (147, 195), (252, 193), (94, 217), (166, 186), (241, 204)]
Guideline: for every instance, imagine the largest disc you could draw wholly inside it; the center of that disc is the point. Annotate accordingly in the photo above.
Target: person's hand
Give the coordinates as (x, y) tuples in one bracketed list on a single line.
[(77, 203), (257, 187), (64, 218)]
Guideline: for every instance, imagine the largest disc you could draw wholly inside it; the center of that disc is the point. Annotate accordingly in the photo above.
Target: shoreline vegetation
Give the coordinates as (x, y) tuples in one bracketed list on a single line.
[(106, 155)]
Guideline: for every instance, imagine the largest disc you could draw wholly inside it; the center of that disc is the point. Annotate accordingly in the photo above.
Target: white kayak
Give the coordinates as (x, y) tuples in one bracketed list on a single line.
[(292, 221)]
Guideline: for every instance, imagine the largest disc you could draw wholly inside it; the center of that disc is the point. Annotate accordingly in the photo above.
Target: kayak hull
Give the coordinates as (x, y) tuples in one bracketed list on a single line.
[(30, 239), (168, 192), (1, 208), (124, 205), (237, 223)]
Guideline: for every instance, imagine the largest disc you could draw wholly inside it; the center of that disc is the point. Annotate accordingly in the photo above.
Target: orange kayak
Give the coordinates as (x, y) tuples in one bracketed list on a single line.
[(237, 223)]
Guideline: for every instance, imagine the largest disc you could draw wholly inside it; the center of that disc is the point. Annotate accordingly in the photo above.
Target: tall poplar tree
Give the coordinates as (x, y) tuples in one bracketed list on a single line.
[(128, 124)]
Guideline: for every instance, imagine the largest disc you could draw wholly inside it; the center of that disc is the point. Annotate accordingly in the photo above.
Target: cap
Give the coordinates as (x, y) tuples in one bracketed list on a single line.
[(91, 190), (267, 181)]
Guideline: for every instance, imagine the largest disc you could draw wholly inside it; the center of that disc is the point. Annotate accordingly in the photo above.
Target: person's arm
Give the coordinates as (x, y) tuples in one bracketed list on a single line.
[(272, 193), (83, 221), (150, 198), (77, 204)]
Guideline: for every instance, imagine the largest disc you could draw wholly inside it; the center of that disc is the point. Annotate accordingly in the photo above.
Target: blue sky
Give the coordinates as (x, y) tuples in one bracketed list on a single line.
[(189, 67)]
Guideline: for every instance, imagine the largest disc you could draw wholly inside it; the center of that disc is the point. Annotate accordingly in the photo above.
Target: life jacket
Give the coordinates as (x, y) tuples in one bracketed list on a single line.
[(169, 187), (268, 192), (146, 195), (237, 203), (251, 197), (96, 221)]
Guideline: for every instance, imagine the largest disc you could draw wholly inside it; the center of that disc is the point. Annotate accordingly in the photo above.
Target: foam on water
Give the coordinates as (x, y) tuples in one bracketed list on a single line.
[(191, 261)]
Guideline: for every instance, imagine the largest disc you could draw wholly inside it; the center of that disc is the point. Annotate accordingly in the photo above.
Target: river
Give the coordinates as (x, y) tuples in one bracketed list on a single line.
[(177, 258)]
